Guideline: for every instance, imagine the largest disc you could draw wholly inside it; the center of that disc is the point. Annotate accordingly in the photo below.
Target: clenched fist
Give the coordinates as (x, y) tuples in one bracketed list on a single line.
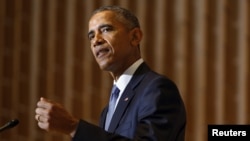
[(52, 116)]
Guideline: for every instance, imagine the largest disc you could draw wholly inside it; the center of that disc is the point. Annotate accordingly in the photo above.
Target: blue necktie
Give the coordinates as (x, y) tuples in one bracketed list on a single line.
[(114, 95)]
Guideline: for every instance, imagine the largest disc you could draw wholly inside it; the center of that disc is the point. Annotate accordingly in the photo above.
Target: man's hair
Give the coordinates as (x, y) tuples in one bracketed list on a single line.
[(131, 19)]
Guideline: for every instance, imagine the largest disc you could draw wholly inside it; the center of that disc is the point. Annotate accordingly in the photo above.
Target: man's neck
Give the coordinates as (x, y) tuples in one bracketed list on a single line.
[(134, 64)]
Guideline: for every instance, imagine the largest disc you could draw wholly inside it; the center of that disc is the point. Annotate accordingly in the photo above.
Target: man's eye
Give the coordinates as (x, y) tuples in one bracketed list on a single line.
[(91, 37), (106, 29)]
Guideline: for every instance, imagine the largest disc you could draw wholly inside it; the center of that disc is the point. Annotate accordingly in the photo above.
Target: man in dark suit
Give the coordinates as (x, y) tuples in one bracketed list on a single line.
[(147, 105)]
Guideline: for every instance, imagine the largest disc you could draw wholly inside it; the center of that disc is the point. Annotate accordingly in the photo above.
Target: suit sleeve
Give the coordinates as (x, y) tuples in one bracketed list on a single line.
[(89, 132)]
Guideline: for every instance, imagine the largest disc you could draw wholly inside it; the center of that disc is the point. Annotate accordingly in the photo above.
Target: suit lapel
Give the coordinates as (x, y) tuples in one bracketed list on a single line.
[(126, 97), (120, 109)]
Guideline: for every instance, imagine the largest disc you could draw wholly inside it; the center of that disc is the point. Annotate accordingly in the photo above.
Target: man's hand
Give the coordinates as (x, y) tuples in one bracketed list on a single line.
[(52, 116)]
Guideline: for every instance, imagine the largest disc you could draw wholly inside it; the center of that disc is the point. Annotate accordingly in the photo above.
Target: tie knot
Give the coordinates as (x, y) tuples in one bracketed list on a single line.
[(115, 92)]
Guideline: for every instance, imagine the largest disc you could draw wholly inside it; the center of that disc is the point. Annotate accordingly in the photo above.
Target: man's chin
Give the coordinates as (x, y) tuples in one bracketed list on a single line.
[(103, 67), (106, 68)]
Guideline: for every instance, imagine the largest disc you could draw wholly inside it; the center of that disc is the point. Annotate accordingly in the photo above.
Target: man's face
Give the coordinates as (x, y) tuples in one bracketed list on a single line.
[(110, 42)]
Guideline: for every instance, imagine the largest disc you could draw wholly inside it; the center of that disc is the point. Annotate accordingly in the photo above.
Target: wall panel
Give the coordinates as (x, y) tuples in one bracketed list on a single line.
[(203, 45)]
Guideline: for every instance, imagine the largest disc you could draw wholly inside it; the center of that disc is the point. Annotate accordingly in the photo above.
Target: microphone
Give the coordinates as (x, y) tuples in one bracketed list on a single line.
[(10, 124)]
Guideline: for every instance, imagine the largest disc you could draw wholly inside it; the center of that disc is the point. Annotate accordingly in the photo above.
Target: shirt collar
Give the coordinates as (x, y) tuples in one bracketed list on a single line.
[(124, 79)]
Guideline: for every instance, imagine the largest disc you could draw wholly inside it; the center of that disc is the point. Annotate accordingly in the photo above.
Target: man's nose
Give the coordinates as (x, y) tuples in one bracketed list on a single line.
[(98, 40)]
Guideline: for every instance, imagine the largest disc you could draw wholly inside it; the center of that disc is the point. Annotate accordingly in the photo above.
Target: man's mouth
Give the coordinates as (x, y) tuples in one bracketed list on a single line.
[(102, 52)]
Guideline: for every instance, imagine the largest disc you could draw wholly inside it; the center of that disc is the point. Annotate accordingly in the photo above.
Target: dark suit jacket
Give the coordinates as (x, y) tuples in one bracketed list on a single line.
[(150, 109)]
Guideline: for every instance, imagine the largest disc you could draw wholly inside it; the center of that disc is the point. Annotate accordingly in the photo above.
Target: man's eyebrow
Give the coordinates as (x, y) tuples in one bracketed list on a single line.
[(105, 25)]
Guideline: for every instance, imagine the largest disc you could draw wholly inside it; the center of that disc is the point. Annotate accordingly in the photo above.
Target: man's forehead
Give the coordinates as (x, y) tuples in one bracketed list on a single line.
[(100, 17)]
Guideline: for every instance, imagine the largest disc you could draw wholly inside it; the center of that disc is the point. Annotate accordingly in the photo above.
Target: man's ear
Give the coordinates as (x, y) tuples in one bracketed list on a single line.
[(136, 36)]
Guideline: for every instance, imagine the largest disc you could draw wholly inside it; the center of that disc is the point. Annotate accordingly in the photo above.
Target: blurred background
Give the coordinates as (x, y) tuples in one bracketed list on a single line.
[(202, 45)]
